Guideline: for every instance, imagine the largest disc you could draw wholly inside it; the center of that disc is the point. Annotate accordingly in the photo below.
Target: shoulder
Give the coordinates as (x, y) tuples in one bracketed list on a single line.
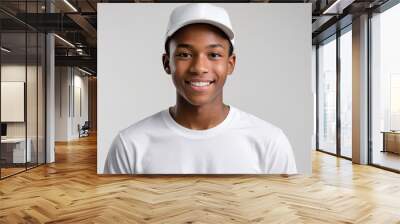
[(277, 151), (122, 154), (151, 123), (279, 156), (258, 125)]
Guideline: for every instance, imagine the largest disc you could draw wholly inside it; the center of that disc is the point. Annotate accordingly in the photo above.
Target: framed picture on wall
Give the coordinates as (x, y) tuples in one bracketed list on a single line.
[(12, 101)]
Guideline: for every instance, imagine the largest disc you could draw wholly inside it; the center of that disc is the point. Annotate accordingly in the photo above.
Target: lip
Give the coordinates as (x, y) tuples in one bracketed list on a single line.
[(199, 80), (199, 88)]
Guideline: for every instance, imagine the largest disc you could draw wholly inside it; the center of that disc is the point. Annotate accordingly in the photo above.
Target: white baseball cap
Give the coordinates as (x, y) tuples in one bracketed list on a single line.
[(199, 13)]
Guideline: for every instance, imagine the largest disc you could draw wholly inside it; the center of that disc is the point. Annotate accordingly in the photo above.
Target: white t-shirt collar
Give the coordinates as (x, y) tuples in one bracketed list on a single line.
[(197, 134)]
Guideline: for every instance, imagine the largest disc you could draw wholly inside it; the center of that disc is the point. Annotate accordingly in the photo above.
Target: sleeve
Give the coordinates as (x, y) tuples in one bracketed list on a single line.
[(280, 159), (120, 159)]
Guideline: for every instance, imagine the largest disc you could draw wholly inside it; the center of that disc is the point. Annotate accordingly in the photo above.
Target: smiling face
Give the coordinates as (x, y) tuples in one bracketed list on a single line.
[(199, 63)]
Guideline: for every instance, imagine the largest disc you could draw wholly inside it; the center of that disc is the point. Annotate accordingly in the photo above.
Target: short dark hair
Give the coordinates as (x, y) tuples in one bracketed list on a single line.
[(222, 33)]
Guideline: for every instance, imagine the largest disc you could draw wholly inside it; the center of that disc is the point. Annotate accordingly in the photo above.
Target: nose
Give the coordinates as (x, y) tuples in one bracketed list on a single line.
[(199, 65)]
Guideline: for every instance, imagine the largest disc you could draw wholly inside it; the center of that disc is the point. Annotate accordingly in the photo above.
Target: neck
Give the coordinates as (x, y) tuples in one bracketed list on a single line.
[(199, 117)]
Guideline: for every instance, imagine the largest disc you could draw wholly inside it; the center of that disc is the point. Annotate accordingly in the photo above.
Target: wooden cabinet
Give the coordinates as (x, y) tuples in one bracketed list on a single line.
[(391, 142)]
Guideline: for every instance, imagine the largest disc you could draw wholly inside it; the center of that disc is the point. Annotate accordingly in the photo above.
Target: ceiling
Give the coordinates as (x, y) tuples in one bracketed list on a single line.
[(76, 22)]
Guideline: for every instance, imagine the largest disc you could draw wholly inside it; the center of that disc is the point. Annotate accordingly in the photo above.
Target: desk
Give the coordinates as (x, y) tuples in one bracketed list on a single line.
[(391, 141), (13, 150)]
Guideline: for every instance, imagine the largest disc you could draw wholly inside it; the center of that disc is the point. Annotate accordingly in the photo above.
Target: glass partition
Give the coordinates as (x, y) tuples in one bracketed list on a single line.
[(327, 96), (32, 95), (13, 111), (41, 88), (22, 77)]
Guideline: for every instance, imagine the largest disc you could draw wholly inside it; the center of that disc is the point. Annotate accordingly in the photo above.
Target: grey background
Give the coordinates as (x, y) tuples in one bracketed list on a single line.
[(272, 78)]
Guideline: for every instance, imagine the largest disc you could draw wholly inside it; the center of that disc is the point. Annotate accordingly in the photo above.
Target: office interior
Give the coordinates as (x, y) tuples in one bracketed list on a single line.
[(48, 86)]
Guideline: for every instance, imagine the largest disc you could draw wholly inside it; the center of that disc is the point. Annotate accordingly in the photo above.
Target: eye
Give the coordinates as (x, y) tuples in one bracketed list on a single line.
[(215, 55), (183, 55)]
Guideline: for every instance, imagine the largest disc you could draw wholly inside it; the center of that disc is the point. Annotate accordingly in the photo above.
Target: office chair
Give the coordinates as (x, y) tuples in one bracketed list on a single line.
[(84, 130)]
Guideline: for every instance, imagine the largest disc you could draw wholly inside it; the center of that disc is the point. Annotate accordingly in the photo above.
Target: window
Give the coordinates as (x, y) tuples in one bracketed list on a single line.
[(385, 88), (327, 96), (346, 93)]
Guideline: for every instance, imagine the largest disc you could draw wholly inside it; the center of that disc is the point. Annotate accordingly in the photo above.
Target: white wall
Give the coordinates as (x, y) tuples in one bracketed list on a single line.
[(80, 83), (61, 103), (67, 116), (272, 79), (18, 73)]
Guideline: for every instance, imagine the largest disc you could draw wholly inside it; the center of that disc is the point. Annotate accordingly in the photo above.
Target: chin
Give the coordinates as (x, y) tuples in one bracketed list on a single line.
[(198, 101)]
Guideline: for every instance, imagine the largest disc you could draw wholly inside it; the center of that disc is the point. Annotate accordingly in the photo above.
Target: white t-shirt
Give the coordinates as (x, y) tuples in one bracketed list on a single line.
[(241, 144)]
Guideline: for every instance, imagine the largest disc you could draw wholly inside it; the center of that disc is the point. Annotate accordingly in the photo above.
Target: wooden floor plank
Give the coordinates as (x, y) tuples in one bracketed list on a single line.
[(70, 191)]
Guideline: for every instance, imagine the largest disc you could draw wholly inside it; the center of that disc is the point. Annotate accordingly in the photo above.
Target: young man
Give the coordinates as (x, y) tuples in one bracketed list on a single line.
[(200, 134)]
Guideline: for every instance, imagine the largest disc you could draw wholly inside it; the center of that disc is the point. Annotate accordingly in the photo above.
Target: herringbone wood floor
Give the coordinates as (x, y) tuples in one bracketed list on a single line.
[(70, 191)]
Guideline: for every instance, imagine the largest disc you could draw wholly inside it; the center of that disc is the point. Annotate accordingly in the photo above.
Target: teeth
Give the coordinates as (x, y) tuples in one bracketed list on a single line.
[(200, 83)]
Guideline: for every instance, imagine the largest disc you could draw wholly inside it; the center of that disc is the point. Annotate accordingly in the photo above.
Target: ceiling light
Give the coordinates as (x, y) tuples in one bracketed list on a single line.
[(337, 7), (70, 5), (84, 71), (5, 50), (65, 41)]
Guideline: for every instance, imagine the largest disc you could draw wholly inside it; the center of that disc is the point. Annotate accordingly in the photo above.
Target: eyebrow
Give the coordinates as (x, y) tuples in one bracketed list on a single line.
[(215, 46), (190, 46)]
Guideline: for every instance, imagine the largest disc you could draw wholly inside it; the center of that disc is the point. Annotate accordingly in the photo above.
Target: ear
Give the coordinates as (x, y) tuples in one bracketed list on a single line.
[(165, 61), (231, 63)]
